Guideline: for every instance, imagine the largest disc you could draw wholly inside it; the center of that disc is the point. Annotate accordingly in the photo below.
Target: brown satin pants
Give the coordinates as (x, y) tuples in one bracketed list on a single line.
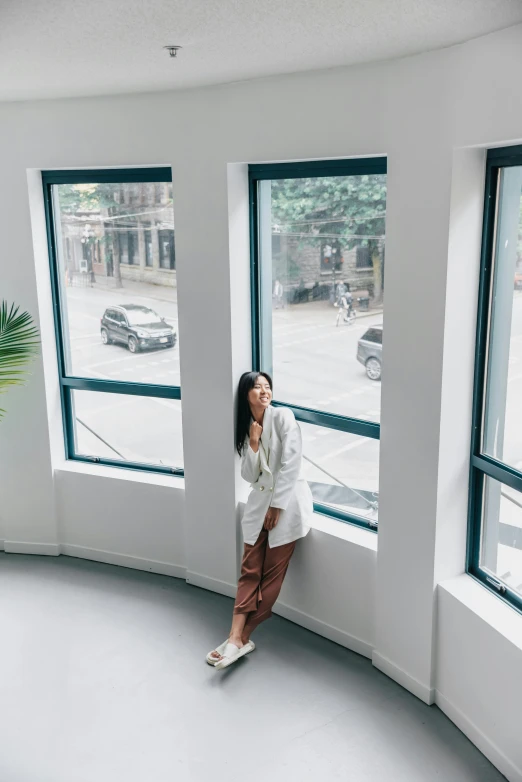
[(263, 570)]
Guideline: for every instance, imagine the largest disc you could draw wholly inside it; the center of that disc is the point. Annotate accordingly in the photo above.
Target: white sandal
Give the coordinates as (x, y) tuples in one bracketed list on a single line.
[(219, 649), (229, 654)]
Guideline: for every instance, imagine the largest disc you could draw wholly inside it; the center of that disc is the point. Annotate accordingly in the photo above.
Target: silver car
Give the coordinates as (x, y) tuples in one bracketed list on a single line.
[(369, 351)]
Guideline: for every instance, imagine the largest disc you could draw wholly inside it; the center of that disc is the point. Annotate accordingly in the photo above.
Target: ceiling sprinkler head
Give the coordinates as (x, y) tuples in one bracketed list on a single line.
[(172, 50)]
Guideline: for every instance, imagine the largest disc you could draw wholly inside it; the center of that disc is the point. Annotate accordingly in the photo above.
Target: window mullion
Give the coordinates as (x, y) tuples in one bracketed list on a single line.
[(348, 518), (498, 471), (121, 387), (329, 420)]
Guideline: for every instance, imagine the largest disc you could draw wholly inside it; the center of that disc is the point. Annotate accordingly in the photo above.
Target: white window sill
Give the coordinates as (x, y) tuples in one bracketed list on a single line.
[(486, 605), (121, 474), (349, 532)]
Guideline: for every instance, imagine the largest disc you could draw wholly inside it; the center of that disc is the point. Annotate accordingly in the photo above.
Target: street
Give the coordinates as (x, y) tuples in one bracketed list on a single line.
[(314, 365)]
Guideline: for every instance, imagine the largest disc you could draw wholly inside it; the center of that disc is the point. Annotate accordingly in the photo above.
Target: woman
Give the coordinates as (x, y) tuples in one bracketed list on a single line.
[(277, 512)]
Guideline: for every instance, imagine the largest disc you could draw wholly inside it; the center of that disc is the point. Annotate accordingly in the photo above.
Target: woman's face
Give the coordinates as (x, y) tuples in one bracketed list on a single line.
[(261, 394)]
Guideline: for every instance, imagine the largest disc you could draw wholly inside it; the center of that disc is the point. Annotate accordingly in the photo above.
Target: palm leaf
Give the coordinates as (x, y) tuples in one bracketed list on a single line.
[(19, 344)]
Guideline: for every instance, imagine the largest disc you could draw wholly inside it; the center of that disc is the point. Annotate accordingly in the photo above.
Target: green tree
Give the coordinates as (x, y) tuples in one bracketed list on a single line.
[(351, 209), (92, 198)]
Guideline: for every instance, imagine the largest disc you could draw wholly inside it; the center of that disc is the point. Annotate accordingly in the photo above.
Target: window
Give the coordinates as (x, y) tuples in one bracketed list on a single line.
[(132, 243), (308, 221), (495, 519), (166, 249), (116, 328), (363, 259), (373, 335)]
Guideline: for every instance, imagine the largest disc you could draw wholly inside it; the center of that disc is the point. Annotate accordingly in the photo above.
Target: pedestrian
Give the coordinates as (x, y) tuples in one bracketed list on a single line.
[(277, 513), (278, 295), (340, 290)]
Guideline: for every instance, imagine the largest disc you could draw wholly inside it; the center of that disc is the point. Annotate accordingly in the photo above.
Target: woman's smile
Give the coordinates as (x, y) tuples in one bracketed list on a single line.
[(260, 395)]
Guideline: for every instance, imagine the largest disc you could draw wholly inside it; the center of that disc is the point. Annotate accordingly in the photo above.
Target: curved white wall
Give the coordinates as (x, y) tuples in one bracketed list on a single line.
[(424, 113)]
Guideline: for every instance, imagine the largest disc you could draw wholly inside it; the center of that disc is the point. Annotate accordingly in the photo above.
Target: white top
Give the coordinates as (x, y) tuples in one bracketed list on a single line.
[(274, 473)]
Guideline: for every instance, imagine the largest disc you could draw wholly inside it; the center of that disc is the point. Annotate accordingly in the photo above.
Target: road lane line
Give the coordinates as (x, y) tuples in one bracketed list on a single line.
[(349, 447)]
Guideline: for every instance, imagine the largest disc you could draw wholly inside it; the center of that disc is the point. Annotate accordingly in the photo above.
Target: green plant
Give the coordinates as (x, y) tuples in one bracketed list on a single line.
[(19, 345)]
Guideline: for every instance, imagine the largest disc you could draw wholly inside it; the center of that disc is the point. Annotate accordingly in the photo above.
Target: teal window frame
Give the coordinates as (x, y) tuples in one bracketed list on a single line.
[(262, 335), (481, 464), (70, 383)]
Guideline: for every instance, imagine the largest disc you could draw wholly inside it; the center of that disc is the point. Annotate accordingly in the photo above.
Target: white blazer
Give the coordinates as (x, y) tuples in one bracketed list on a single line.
[(274, 473)]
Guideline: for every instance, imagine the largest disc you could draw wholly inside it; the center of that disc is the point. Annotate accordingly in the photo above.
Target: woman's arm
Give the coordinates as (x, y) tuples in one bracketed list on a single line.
[(291, 453)]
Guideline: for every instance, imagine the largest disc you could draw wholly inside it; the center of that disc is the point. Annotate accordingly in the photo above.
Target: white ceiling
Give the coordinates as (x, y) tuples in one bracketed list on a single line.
[(62, 48)]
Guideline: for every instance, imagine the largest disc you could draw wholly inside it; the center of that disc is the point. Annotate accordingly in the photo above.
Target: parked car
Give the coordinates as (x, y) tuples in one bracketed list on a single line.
[(518, 280), (136, 327), (369, 351)]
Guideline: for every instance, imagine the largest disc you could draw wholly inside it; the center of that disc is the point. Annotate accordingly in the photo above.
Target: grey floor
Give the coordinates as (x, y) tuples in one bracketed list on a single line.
[(103, 679)]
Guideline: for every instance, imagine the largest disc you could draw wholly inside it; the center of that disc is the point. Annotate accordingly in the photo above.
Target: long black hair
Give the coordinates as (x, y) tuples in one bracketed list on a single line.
[(247, 382)]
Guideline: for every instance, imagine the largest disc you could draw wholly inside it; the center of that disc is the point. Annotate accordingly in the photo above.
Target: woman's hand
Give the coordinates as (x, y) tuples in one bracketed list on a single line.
[(255, 435), (271, 518)]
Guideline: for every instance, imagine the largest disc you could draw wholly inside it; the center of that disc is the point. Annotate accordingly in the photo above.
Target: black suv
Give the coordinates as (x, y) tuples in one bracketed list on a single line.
[(136, 327)]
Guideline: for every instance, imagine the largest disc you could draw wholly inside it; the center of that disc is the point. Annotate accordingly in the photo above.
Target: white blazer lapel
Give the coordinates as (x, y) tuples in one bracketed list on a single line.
[(266, 436)]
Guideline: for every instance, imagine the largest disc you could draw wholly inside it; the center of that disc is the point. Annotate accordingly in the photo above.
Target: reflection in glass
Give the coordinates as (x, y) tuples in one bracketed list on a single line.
[(503, 405), (129, 428), (342, 470), (501, 545), (321, 242), (115, 257)]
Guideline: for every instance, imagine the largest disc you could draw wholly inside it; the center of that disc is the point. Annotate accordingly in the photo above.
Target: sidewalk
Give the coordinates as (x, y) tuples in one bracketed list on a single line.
[(170, 295), (324, 305), (165, 293)]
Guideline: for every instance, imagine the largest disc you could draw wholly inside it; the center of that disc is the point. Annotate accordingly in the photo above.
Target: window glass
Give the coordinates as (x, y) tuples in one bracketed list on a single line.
[(166, 249), (501, 544), (126, 427), (110, 242), (503, 405), (321, 243), (373, 335), (342, 470)]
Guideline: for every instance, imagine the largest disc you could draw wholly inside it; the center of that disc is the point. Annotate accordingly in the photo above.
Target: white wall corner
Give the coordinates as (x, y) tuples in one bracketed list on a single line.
[(46, 319), (206, 362), (464, 248), (410, 418), (422, 691)]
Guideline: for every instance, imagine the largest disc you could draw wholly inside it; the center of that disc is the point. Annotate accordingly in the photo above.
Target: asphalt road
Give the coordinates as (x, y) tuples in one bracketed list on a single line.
[(314, 365)]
